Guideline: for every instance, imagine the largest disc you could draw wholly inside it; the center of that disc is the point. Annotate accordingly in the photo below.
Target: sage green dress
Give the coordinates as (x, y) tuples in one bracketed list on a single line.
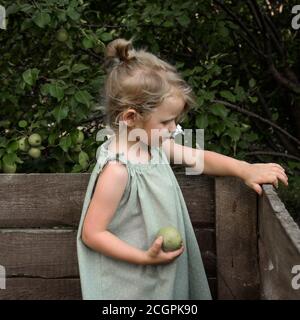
[(152, 199)]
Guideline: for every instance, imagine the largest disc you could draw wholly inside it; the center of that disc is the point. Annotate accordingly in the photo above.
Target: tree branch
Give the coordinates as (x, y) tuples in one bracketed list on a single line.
[(284, 81), (271, 153), (252, 114)]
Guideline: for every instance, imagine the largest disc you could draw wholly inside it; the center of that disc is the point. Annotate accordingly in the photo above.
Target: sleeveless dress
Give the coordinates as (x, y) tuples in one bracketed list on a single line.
[(152, 199)]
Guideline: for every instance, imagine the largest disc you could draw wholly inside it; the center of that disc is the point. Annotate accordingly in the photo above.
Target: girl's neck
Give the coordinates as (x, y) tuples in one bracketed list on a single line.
[(137, 151)]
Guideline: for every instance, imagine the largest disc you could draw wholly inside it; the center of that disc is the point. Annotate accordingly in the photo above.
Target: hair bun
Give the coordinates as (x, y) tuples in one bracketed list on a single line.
[(119, 49)]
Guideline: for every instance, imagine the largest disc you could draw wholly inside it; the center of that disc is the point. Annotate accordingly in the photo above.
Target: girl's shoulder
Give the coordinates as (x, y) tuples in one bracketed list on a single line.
[(104, 155)]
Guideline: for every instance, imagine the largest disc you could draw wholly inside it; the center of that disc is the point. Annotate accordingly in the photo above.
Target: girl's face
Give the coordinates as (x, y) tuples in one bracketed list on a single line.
[(163, 120)]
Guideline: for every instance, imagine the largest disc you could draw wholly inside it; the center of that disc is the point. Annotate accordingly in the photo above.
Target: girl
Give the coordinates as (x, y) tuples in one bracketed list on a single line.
[(129, 197)]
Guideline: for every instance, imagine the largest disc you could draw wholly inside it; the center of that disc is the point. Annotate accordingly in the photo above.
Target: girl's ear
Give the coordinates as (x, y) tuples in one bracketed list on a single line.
[(130, 117)]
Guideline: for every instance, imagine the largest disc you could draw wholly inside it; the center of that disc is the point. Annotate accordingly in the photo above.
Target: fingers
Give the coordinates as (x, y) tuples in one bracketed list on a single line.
[(284, 179), (278, 166), (156, 247), (279, 173), (177, 252), (282, 176)]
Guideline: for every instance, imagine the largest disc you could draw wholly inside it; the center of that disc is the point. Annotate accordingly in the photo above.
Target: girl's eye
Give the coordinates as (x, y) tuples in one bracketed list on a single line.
[(165, 122)]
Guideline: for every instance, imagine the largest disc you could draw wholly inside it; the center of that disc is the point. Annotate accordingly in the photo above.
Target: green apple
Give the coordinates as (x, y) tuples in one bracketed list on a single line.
[(34, 152), (62, 35), (23, 144), (171, 238), (35, 140), (9, 168)]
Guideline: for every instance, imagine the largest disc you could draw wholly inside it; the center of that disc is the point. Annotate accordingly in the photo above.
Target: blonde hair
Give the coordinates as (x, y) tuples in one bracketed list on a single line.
[(140, 80)]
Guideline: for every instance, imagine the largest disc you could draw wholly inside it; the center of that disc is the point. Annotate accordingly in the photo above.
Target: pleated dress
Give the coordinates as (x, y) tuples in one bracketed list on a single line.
[(152, 199)]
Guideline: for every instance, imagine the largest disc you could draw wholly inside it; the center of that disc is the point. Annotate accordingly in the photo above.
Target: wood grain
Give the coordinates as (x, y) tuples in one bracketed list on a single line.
[(279, 248), (55, 200), (236, 240)]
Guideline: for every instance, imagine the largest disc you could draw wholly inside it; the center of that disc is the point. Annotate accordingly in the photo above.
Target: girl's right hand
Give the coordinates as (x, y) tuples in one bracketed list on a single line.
[(156, 255)]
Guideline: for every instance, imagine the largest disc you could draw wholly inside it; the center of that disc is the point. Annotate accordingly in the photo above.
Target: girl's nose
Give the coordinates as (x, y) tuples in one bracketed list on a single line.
[(172, 126)]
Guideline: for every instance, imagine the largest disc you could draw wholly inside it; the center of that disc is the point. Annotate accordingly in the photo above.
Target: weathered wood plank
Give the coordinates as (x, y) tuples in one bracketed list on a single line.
[(51, 253), (207, 244), (198, 192), (54, 289), (48, 200), (41, 289), (39, 252), (236, 239), (279, 248), (41, 199)]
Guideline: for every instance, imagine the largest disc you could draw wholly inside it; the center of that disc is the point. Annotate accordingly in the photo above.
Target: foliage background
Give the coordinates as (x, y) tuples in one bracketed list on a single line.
[(240, 57)]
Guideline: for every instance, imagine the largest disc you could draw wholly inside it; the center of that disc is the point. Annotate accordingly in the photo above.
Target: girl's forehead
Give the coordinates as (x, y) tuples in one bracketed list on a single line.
[(171, 106)]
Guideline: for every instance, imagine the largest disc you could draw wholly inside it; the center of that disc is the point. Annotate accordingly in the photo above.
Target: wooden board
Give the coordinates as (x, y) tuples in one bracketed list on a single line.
[(34, 252), (55, 200), (236, 239), (54, 289), (41, 289), (279, 248)]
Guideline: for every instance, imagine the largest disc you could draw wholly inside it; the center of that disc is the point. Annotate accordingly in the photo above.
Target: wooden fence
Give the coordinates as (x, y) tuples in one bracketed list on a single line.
[(240, 235)]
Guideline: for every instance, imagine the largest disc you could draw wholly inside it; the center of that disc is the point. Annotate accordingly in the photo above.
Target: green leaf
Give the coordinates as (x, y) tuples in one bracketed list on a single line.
[(250, 137), (65, 143), (234, 133), (45, 89), (208, 95), (200, 101), (42, 19), (3, 142), (215, 83), (227, 95), (168, 24), (78, 67), (219, 110), (105, 36), (183, 20), (83, 159), (60, 113), (219, 128), (253, 99), (76, 168), (52, 138), (56, 91), (62, 68), (240, 93), (202, 121), (83, 97), (30, 76), (252, 83), (275, 116), (73, 14), (88, 43), (12, 147)]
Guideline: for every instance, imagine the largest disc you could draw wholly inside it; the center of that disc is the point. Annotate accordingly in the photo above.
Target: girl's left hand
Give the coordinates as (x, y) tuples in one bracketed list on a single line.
[(259, 173)]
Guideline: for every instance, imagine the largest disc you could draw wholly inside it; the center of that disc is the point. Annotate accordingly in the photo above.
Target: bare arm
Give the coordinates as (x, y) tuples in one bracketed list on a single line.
[(108, 193), (222, 165), (213, 163)]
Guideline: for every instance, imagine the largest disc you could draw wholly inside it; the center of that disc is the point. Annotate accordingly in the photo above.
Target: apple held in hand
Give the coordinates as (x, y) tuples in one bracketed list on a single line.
[(171, 238)]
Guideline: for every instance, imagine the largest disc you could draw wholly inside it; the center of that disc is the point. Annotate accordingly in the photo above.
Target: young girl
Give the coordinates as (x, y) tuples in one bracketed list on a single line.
[(129, 197)]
